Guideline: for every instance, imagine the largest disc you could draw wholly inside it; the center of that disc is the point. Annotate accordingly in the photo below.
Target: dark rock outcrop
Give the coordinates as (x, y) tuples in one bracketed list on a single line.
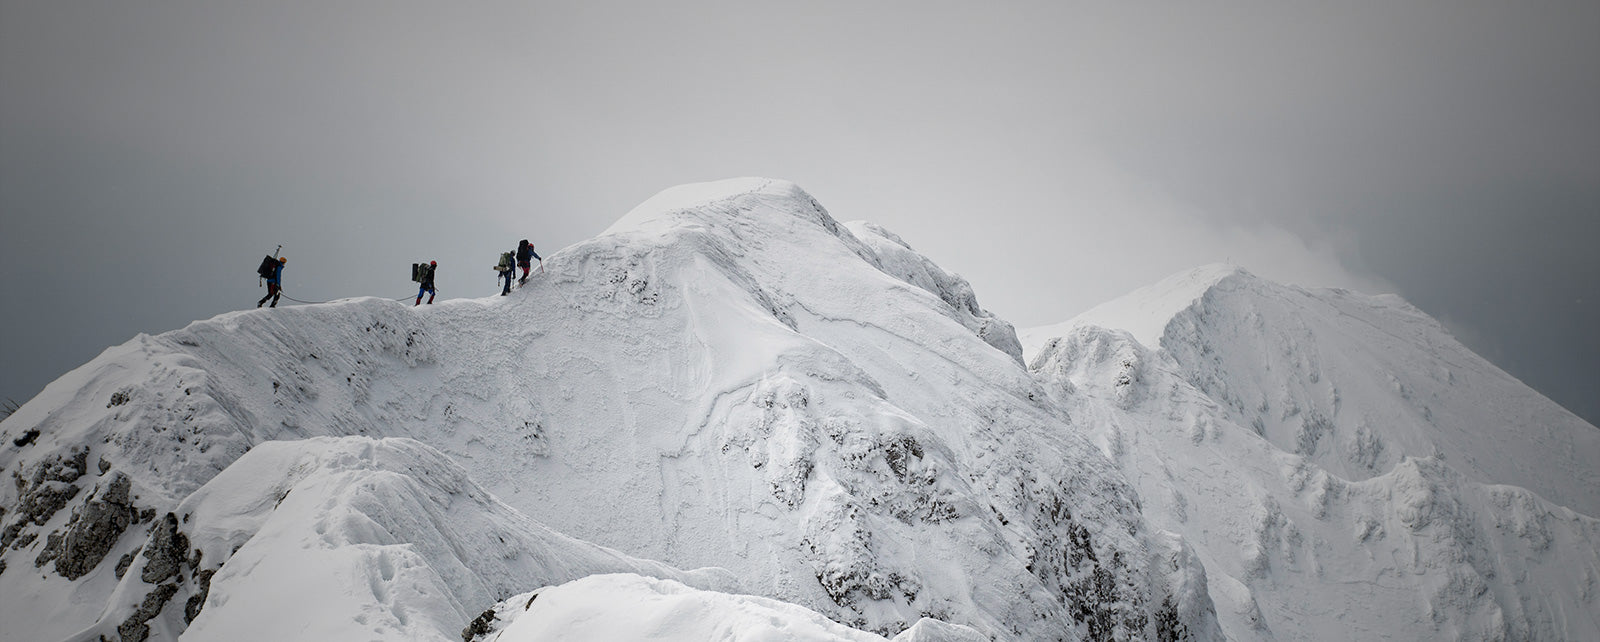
[(134, 628), (93, 531), (167, 550)]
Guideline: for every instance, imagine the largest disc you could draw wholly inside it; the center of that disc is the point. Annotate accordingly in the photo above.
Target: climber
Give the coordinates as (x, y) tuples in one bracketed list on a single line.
[(424, 274), (273, 272), (507, 270), (524, 253)]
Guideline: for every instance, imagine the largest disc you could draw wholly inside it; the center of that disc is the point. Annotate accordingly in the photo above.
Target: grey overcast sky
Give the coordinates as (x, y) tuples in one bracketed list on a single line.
[(1056, 154)]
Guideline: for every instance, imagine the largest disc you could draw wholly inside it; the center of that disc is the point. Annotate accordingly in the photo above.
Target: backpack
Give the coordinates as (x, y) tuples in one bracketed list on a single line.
[(269, 266), (420, 272), (506, 261)]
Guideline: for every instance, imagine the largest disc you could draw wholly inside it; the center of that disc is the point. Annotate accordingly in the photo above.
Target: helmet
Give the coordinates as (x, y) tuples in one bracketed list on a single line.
[(433, 262), (282, 260)]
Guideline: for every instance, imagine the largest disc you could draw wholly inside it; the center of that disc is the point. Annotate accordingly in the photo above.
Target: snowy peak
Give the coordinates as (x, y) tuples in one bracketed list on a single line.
[(1344, 467), (732, 221), (1351, 381), (728, 378), (672, 206), (1145, 312)]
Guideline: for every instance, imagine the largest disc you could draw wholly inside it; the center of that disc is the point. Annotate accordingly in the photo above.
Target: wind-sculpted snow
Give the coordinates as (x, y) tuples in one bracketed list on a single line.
[(348, 538), (1325, 504), (727, 378), (631, 607)]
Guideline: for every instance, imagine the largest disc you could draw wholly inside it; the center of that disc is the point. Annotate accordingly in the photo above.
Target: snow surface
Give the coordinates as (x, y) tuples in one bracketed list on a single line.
[(829, 428), (1339, 463), (632, 607)]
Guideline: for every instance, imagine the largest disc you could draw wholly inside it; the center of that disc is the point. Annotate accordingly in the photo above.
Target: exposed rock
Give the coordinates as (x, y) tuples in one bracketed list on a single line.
[(167, 551), (92, 532), (483, 625), (1169, 627), (124, 563), (134, 628), (191, 610), (26, 438), (45, 490)]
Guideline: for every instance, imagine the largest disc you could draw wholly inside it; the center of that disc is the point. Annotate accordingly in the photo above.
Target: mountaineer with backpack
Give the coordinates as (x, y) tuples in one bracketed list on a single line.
[(423, 274), (272, 270), (507, 270), (524, 253)]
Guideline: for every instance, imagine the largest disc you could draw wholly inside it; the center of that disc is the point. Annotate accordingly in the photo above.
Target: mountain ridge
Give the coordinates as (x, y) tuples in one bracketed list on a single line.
[(728, 378)]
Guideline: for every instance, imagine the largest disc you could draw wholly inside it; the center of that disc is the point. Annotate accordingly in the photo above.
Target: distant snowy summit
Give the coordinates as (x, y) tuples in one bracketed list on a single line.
[(1289, 361), (1345, 468), (733, 415), (1143, 313)]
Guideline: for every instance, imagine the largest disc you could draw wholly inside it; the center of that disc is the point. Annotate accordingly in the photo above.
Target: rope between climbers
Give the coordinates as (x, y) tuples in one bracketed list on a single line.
[(404, 298)]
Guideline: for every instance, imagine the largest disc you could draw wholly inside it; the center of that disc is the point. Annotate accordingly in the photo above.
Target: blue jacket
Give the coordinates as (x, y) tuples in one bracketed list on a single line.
[(277, 275)]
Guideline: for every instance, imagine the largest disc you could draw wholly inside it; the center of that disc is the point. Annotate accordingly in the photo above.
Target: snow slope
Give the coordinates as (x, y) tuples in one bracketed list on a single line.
[(353, 537), (728, 378), (1342, 467), (632, 607)]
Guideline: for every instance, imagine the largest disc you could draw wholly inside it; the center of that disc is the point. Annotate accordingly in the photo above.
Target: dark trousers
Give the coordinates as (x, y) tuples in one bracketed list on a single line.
[(272, 293)]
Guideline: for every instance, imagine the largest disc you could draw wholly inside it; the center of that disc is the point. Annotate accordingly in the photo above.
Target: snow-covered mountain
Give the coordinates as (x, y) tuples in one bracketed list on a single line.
[(732, 415), (1343, 467)]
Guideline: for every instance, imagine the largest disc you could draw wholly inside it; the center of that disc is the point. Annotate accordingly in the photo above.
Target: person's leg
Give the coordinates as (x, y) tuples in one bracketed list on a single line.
[(430, 296), (419, 295), (275, 290)]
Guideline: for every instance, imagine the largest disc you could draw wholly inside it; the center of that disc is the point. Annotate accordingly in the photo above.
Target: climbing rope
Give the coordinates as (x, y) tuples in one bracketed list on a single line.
[(404, 298)]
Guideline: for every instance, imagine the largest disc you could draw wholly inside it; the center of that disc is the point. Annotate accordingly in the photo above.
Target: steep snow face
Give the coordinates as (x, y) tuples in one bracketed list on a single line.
[(727, 378), (1340, 465), (772, 421), (1353, 382), (1143, 313)]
